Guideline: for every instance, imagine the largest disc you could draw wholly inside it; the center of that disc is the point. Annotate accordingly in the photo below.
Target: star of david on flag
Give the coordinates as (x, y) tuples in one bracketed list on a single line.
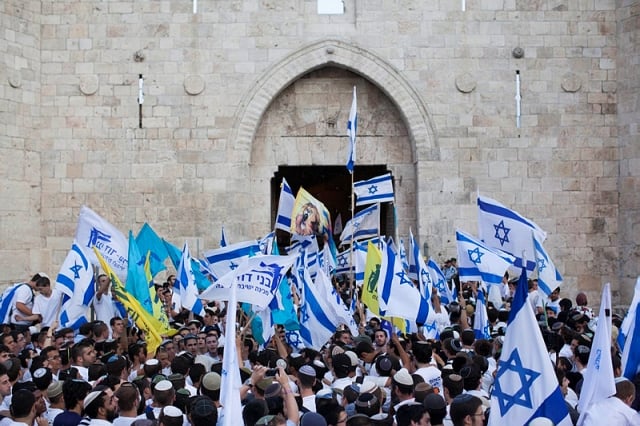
[(507, 230), (375, 190), (477, 262), (526, 386), (548, 276)]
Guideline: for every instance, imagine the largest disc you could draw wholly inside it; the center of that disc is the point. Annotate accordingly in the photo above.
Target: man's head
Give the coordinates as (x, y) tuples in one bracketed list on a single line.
[(74, 392), (117, 326), (5, 383), (23, 404), (380, 338), (128, 397), (43, 285), (191, 343), (101, 404), (414, 414), (202, 411), (212, 344), (467, 410), (625, 390)]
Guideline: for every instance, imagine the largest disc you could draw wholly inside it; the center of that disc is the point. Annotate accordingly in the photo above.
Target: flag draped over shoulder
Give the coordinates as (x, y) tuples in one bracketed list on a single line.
[(230, 382), (398, 297), (149, 242), (598, 382), (7, 302), (375, 190), (629, 337), (548, 276), (145, 322), (285, 207), (525, 384), (365, 224), (477, 262), (185, 284), (352, 127), (94, 231), (507, 230)]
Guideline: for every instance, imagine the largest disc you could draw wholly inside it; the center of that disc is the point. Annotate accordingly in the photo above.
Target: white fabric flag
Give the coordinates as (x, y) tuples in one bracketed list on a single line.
[(548, 276), (477, 262), (230, 378), (94, 231), (507, 230), (599, 382), (365, 224), (352, 127), (285, 207), (375, 190)]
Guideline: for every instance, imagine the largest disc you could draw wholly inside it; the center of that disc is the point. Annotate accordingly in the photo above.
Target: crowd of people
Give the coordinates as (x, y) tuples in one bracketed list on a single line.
[(102, 373)]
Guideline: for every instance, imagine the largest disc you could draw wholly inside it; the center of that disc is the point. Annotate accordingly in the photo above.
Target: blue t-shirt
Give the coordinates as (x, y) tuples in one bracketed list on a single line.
[(67, 418)]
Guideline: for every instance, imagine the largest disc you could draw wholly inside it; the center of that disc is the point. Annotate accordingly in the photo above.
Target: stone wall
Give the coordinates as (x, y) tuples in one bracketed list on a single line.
[(210, 78)]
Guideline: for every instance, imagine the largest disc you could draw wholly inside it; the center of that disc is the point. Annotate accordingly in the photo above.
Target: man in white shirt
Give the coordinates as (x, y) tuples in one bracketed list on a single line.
[(22, 303), (103, 303), (46, 302), (423, 352), (615, 410)]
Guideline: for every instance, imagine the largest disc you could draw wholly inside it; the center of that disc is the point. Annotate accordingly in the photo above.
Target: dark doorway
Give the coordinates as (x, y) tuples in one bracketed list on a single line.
[(332, 186)]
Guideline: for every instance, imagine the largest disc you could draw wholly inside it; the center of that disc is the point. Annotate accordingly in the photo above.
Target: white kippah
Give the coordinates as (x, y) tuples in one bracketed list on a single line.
[(171, 411)]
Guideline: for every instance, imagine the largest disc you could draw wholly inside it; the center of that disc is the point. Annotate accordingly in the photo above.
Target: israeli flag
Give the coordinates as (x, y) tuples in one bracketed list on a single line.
[(306, 247), (507, 230), (548, 276), (285, 207), (398, 296), (185, 284), (352, 127), (629, 337), (421, 271), (226, 259), (525, 386), (440, 282), (76, 282), (365, 224), (339, 312), (477, 262), (375, 190), (316, 326)]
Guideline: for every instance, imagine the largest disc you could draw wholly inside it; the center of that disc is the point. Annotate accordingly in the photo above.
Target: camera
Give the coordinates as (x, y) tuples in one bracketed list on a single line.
[(271, 372)]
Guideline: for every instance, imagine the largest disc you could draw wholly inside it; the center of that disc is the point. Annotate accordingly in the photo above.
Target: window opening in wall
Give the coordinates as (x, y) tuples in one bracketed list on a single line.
[(330, 7)]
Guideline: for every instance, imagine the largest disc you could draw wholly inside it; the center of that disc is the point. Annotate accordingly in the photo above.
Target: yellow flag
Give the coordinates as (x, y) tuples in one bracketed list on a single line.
[(136, 312), (371, 279), (156, 305)]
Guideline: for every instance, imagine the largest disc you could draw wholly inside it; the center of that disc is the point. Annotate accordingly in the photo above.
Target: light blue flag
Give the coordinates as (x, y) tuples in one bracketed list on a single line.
[(507, 230), (137, 284), (223, 238), (283, 310), (77, 284), (629, 337), (285, 207), (148, 241), (375, 190), (477, 262), (599, 383), (316, 327), (548, 276), (352, 127), (226, 259), (440, 282), (185, 284), (525, 386), (397, 295), (365, 224), (480, 318)]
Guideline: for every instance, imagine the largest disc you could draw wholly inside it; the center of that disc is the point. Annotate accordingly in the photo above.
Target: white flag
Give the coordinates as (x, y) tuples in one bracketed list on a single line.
[(365, 224), (94, 231), (352, 127), (230, 378), (598, 381)]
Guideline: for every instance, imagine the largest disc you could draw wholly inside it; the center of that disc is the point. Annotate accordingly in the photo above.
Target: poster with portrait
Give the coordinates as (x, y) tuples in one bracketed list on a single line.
[(310, 216)]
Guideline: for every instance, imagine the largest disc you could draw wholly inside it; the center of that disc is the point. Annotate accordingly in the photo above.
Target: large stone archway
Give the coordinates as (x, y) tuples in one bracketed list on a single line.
[(420, 142)]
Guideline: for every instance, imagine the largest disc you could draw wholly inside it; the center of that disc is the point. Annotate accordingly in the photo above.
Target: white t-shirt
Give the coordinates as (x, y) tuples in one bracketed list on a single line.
[(46, 307), (433, 376), (105, 308), (23, 294)]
